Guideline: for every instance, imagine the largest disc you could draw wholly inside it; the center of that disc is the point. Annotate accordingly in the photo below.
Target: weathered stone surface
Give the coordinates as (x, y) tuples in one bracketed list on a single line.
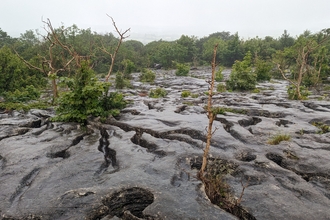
[(144, 165)]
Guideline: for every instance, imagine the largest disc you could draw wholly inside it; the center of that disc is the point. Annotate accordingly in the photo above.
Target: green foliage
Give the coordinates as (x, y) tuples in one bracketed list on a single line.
[(185, 93), (182, 69), (221, 87), (157, 93), (128, 67), (87, 97), (276, 139), (256, 90), (223, 110), (219, 75), (25, 94), (9, 106), (14, 75), (242, 76), (263, 69), (194, 96), (121, 82), (292, 93), (112, 104), (324, 128), (147, 75)]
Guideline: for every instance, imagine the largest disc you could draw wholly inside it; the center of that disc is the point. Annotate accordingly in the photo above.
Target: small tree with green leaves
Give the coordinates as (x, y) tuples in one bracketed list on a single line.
[(147, 75), (86, 97), (263, 69), (182, 69), (242, 76)]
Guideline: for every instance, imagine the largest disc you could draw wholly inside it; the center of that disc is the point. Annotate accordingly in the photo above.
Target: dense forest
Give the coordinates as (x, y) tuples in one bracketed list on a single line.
[(72, 56)]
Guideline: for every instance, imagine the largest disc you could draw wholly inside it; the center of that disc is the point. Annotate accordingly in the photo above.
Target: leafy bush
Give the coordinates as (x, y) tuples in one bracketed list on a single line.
[(219, 75), (157, 93), (275, 140), (128, 67), (223, 110), (182, 69), (242, 76), (324, 127), (194, 95), (9, 106), (263, 69), (221, 87), (147, 76), (185, 93), (112, 103), (25, 94), (121, 82), (293, 94), (87, 97)]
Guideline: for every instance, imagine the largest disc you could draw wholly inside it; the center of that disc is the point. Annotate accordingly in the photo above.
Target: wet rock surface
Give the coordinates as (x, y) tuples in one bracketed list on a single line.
[(144, 164)]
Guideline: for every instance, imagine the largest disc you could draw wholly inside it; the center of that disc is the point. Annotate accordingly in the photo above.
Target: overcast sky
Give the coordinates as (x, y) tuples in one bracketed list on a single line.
[(169, 19)]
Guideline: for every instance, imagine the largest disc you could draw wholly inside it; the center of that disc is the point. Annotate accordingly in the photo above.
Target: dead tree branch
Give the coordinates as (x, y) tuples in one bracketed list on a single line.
[(210, 115), (113, 55)]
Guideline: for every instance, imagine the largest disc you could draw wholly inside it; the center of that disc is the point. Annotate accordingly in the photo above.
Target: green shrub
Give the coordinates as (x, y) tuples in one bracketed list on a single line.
[(221, 87), (292, 94), (112, 104), (185, 93), (182, 69), (223, 110), (147, 76), (242, 76), (256, 90), (219, 75), (324, 128), (263, 69), (121, 82), (276, 139), (26, 94), (128, 67), (9, 106), (157, 93), (87, 97), (194, 96)]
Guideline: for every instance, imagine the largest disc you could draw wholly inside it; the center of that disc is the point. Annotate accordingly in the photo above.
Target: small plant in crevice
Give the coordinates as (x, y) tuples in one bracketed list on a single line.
[(185, 93), (324, 128), (194, 95), (221, 87), (276, 139), (222, 110), (157, 93)]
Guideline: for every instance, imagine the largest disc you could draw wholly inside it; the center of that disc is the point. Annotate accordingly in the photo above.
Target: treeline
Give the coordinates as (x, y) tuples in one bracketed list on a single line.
[(280, 53)]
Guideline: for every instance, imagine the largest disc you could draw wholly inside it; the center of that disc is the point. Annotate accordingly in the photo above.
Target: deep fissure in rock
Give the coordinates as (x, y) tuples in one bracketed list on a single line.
[(218, 191), (134, 200), (24, 184), (151, 147), (109, 154)]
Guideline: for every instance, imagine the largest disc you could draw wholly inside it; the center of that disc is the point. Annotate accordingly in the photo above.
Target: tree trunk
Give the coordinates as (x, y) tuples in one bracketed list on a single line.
[(210, 115)]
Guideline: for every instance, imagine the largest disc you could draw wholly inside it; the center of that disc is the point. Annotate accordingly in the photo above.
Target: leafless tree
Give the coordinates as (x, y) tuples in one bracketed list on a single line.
[(210, 115), (122, 36), (50, 66)]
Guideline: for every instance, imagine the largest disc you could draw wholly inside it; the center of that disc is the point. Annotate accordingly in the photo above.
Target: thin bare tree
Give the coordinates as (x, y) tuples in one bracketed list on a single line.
[(113, 55), (210, 115), (49, 65)]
